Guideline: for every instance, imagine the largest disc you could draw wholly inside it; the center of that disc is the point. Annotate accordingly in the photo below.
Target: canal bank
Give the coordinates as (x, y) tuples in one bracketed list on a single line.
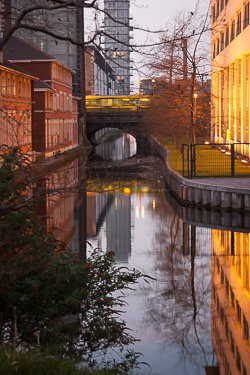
[(215, 193)]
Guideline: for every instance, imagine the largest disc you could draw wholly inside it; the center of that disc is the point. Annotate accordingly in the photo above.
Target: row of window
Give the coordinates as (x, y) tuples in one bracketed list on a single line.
[(59, 132), (15, 129), (231, 30), (217, 8), (229, 335), (11, 86), (61, 74), (223, 355), (234, 302)]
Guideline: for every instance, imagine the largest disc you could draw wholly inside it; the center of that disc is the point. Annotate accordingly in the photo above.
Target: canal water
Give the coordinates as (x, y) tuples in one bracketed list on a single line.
[(194, 317)]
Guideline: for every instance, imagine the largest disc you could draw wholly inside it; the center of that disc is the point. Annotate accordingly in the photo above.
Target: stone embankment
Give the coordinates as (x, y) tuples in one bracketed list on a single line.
[(214, 193)]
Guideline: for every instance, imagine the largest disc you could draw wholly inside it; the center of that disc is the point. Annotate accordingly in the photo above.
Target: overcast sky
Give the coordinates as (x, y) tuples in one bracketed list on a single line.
[(152, 15), (155, 15)]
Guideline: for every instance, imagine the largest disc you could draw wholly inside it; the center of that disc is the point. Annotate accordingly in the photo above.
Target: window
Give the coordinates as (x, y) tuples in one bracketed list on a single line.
[(238, 29), (218, 47), (238, 308), (24, 89), (232, 298), (20, 88), (218, 8), (227, 36), (246, 15), (222, 41), (3, 85), (14, 86), (245, 328), (221, 5), (213, 14), (226, 1), (8, 86), (232, 35)]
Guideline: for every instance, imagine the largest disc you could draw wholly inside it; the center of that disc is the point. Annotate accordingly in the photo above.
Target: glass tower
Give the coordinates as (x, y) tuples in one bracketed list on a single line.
[(66, 22), (116, 42)]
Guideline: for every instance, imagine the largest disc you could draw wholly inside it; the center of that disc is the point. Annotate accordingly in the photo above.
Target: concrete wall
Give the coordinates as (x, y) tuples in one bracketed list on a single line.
[(195, 193)]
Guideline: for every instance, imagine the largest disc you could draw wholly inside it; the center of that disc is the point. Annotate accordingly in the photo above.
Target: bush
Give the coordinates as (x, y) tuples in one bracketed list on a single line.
[(49, 298)]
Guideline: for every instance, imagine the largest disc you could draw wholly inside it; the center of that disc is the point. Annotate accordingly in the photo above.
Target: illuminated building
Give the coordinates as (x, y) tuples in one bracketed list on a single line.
[(55, 125), (230, 71), (17, 106), (116, 42), (231, 301)]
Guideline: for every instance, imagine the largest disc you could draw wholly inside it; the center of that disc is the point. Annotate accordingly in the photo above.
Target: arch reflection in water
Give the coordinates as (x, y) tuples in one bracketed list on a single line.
[(121, 148)]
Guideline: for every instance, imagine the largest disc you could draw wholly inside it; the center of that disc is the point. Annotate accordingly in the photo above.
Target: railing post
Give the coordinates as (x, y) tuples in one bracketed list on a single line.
[(194, 161), (191, 154), (183, 161), (232, 160), (188, 157)]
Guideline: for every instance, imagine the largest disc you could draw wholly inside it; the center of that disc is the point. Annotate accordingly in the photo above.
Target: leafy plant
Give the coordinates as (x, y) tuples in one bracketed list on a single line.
[(49, 298)]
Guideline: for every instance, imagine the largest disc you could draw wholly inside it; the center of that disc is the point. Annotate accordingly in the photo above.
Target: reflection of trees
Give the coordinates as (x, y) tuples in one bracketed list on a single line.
[(180, 308)]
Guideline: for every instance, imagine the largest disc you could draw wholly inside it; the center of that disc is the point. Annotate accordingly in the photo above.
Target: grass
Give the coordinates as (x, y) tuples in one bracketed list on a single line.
[(12, 363), (210, 162)]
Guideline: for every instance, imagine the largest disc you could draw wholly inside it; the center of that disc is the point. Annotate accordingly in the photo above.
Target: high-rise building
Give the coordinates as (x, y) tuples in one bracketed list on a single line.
[(116, 41), (66, 22)]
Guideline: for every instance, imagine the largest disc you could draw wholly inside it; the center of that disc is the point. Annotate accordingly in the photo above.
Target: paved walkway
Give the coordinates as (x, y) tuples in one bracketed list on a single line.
[(231, 183)]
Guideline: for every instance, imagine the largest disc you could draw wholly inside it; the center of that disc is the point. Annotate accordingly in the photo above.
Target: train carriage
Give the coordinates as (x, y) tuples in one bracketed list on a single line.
[(117, 103)]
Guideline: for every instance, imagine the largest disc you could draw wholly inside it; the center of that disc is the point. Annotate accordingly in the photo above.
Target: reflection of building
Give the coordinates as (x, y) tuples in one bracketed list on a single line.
[(230, 70), (60, 205), (99, 76), (231, 301), (119, 227), (116, 42)]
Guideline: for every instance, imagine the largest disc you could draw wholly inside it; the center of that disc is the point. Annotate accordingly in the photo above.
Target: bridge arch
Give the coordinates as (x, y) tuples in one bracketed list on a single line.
[(129, 123)]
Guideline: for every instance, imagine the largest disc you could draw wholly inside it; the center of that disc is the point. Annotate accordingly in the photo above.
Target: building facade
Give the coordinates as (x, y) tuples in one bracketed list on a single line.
[(16, 110), (65, 22), (99, 76), (117, 40), (230, 72), (55, 123)]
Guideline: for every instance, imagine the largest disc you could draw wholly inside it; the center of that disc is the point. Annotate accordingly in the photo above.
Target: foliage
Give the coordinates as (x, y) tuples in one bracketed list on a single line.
[(49, 298), (37, 363)]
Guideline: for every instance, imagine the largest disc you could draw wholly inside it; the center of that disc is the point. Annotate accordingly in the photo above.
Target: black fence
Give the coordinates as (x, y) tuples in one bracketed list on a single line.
[(216, 160)]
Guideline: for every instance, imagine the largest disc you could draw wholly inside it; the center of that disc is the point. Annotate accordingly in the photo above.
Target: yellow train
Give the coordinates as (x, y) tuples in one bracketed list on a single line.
[(117, 103)]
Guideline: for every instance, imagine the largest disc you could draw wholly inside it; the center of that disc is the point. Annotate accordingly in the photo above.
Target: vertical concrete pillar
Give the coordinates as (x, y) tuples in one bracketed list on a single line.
[(215, 198), (237, 201), (226, 199)]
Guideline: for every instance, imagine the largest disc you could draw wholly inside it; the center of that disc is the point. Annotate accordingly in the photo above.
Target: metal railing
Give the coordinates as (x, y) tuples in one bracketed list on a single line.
[(215, 160)]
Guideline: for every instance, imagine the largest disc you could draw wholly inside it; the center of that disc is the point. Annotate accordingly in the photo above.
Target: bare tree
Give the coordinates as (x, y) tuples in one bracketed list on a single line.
[(182, 93)]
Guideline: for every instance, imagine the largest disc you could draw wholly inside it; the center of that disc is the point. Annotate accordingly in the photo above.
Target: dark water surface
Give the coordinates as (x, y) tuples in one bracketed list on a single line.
[(194, 317)]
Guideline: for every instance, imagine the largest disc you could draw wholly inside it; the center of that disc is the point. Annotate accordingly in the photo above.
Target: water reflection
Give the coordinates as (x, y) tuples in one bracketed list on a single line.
[(194, 317), (231, 301), (121, 148)]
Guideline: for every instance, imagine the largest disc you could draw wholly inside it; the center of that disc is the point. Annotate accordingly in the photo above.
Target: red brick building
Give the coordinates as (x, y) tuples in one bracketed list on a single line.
[(55, 124), (16, 107)]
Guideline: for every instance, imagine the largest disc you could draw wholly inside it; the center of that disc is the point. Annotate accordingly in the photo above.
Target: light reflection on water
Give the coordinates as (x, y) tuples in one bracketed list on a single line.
[(145, 234), (195, 316), (121, 148)]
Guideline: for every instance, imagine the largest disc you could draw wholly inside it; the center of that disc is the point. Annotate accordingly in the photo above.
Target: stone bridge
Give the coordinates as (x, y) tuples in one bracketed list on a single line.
[(128, 122)]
